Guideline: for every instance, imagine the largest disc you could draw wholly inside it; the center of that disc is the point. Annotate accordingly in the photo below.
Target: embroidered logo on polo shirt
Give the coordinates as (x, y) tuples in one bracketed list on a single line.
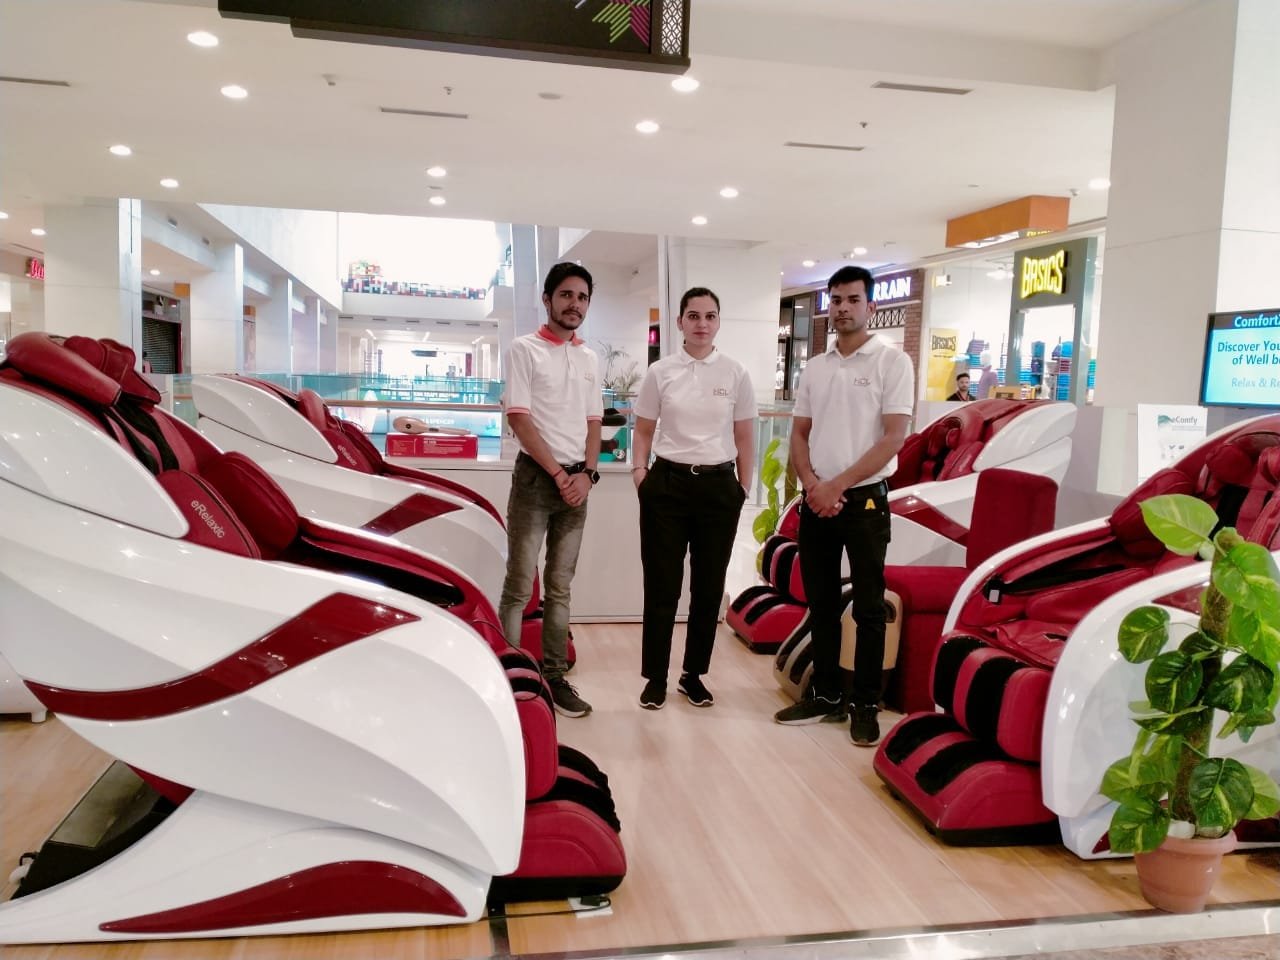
[(861, 381), (720, 392)]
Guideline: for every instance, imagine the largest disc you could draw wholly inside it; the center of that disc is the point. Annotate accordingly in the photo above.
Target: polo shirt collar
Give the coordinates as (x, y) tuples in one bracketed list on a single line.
[(687, 358), (545, 333), (871, 346)]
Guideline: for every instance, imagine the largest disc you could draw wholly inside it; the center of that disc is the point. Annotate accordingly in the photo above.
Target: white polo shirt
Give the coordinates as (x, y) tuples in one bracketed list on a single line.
[(696, 403), (846, 398), (555, 382)]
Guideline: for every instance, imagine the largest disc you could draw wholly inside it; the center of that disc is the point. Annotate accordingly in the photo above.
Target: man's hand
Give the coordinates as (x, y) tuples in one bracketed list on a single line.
[(824, 498), (575, 491), (638, 475)]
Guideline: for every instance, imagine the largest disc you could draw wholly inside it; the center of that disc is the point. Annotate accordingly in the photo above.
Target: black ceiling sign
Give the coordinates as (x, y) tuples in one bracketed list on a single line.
[(635, 34)]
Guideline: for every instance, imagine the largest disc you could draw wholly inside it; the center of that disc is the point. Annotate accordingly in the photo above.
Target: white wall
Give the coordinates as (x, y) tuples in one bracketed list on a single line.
[(746, 278), (618, 316), (303, 243)]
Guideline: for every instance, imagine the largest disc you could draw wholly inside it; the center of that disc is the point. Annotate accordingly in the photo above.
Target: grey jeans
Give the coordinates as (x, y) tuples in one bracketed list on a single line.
[(536, 510)]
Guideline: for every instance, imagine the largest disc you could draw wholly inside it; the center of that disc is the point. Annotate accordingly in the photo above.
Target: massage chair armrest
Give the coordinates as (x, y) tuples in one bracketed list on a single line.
[(925, 589)]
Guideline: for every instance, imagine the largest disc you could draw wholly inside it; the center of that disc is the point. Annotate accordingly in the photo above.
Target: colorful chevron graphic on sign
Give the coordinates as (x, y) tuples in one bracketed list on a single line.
[(623, 15)]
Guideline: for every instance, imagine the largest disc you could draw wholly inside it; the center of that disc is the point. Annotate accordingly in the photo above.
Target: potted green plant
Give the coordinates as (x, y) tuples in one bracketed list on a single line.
[(1178, 804), (771, 475), (622, 380)]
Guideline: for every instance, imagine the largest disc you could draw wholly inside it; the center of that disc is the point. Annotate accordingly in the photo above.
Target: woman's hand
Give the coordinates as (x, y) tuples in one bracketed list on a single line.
[(638, 474)]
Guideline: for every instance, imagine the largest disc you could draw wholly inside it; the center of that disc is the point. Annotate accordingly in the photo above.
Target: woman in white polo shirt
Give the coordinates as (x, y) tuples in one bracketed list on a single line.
[(703, 409)]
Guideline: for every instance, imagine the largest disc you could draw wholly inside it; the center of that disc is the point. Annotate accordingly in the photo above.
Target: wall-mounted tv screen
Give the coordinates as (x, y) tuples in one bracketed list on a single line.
[(1242, 360)]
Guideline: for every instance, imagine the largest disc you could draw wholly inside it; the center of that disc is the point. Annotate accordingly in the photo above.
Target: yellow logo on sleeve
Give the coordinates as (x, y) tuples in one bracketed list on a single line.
[(871, 504)]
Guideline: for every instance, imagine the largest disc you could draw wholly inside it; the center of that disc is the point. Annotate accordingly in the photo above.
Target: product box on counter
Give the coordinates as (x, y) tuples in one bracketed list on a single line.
[(460, 446)]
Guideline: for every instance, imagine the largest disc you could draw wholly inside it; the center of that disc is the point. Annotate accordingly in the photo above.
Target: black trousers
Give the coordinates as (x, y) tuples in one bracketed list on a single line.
[(860, 529), (684, 512)]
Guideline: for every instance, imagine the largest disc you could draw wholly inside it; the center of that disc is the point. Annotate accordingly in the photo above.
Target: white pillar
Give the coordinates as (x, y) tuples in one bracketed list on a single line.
[(93, 270), (306, 336), (217, 314), (1193, 220), (327, 355), (275, 323)]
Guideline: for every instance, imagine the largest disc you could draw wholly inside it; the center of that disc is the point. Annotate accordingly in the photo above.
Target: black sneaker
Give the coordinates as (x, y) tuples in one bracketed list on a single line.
[(654, 695), (566, 698), (692, 687), (864, 728), (808, 710)]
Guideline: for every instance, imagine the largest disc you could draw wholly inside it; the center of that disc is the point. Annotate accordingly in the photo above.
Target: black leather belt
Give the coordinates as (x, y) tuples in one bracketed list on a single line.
[(879, 488), (694, 469), (569, 468)]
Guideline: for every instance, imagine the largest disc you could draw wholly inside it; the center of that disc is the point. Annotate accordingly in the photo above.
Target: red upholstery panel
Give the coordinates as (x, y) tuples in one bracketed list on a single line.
[(311, 406), (1008, 507), (211, 522), (565, 839), (265, 509)]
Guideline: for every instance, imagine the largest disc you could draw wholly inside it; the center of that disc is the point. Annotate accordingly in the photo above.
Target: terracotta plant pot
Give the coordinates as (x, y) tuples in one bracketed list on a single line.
[(1178, 875)]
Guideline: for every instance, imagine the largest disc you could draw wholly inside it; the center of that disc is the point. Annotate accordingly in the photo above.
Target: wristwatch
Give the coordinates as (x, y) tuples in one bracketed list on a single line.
[(593, 476)]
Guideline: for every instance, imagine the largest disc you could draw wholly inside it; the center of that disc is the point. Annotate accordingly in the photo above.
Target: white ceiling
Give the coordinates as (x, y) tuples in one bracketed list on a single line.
[(1035, 122)]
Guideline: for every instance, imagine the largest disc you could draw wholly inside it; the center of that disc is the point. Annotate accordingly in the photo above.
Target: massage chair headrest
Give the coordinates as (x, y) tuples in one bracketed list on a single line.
[(311, 405), (116, 361), (42, 357)]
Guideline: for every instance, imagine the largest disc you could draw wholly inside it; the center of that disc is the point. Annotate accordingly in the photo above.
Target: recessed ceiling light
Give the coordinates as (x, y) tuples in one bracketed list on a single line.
[(647, 126), (1099, 183), (3, 215), (233, 91), (120, 150), (437, 171), (169, 183), (202, 38), (808, 263), (728, 192), (699, 221), (436, 201), (38, 231), (154, 272), (684, 84), (859, 251)]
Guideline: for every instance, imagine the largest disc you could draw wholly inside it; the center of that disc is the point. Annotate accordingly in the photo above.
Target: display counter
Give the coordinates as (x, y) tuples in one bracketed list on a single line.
[(609, 583)]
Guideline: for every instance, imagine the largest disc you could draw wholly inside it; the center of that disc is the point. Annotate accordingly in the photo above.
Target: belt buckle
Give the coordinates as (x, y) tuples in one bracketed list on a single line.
[(693, 469)]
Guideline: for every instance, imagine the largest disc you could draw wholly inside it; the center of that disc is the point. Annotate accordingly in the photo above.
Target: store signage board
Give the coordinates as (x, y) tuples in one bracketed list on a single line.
[(648, 35), (1043, 274), (1242, 360), (35, 268), (1166, 432)]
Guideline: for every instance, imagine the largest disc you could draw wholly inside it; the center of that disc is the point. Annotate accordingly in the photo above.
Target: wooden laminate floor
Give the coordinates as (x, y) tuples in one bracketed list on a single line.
[(735, 828)]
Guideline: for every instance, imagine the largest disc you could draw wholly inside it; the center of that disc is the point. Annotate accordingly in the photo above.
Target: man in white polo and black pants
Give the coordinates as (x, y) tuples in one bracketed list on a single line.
[(852, 412), (554, 407)]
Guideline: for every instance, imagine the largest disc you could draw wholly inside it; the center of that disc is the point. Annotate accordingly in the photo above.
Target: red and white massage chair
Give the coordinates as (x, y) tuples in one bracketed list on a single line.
[(319, 729), (971, 766), (931, 497), (331, 470)]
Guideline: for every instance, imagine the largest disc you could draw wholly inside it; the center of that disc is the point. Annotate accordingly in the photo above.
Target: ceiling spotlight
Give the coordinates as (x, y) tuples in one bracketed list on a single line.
[(699, 221), (1099, 183), (3, 215), (169, 183), (120, 150), (859, 251), (809, 263), (436, 201), (154, 272), (437, 171), (647, 126), (202, 38), (37, 231), (728, 192), (684, 84), (233, 91)]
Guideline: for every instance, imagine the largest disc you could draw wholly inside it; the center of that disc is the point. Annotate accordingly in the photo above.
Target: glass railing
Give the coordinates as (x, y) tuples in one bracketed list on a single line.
[(375, 404)]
